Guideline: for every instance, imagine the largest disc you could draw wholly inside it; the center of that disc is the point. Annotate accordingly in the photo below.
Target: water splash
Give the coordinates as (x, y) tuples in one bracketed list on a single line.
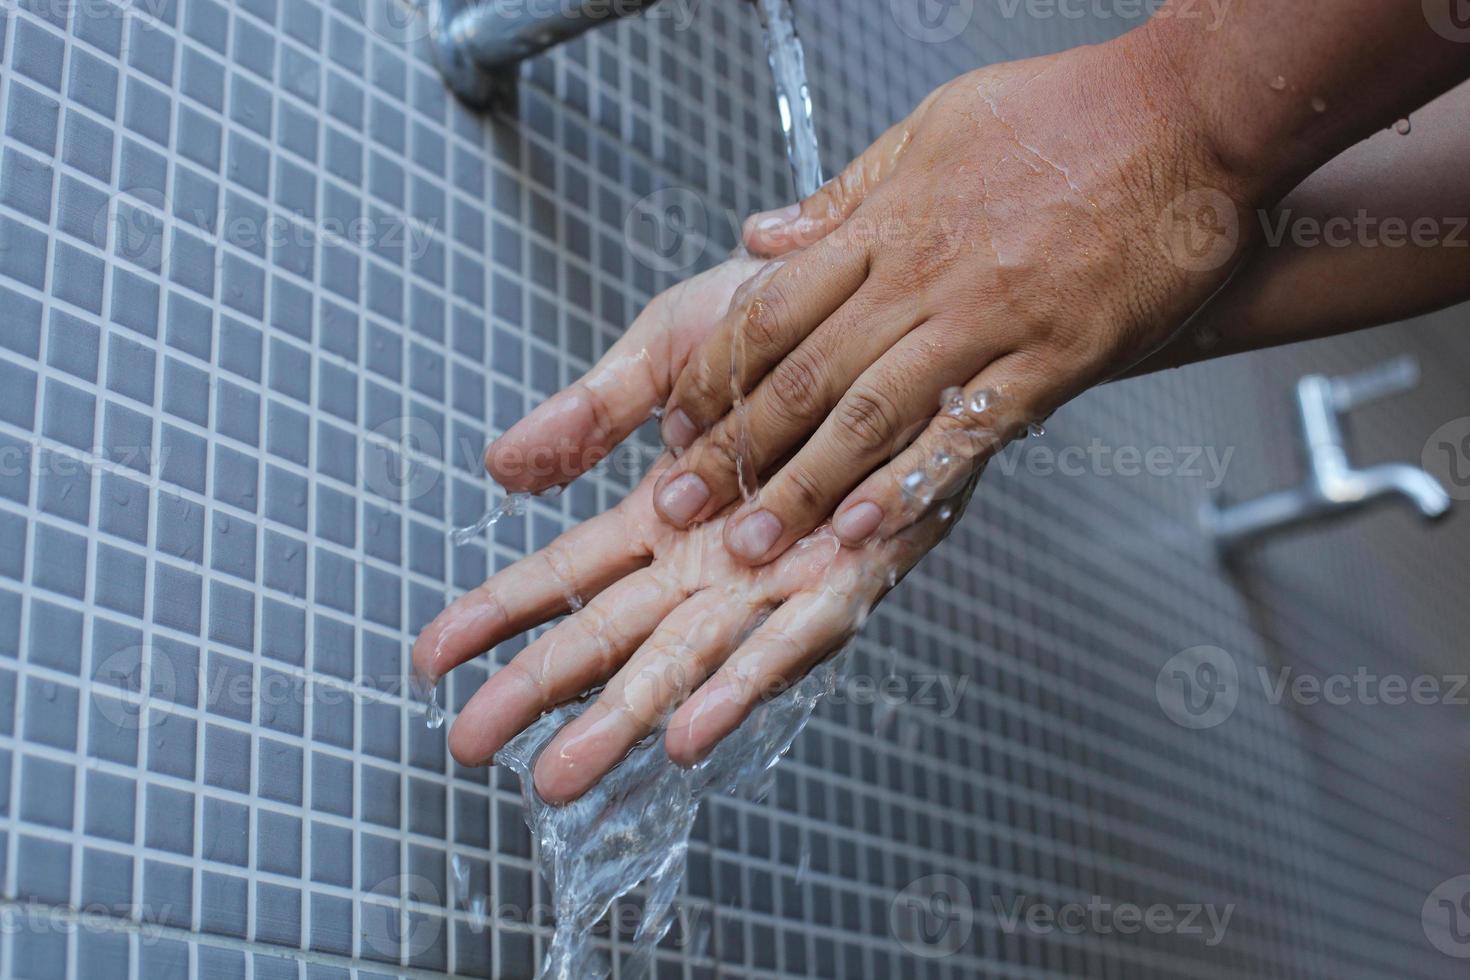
[(426, 693), (512, 505), (634, 825), (793, 93)]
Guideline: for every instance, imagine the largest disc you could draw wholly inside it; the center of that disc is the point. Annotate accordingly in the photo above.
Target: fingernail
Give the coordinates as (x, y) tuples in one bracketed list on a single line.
[(772, 220), (682, 499), (679, 431), (755, 535), (857, 523)]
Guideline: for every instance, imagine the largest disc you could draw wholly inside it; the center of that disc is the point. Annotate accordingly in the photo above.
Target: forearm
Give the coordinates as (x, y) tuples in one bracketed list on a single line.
[(1382, 233), (1283, 87)]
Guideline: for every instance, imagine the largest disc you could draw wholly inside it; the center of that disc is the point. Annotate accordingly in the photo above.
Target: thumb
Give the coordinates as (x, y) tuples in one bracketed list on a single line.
[(577, 428), (771, 234)]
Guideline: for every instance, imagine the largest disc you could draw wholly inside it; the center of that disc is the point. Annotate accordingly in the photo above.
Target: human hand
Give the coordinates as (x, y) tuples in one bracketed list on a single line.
[(668, 614), (665, 608), (578, 427), (1015, 239)]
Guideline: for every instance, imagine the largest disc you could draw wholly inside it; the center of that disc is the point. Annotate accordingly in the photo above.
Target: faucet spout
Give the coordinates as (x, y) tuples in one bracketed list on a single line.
[(1408, 482), (1333, 487)]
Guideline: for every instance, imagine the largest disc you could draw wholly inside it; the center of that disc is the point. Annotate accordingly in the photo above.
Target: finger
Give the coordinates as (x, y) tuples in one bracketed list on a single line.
[(680, 654), (989, 413), (800, 634), (776, 233), (785, 407), (576, 566), (577, 655), (768, 317), (873, 419), (575, 429)]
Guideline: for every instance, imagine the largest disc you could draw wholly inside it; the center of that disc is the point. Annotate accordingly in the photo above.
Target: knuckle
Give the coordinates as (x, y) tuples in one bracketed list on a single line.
[(795, 386), (806, 490), (761, 327), (723, 449), (868, 419), (702, 393)]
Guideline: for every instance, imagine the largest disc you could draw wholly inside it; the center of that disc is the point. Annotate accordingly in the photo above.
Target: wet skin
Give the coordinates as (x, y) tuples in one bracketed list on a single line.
[(669, 626)]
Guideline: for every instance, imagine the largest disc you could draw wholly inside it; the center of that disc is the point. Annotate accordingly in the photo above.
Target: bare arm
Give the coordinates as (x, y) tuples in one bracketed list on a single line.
[(1382, 233)]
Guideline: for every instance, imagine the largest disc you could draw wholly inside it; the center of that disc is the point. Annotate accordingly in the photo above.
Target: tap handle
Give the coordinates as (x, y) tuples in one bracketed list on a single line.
[(1389, 378)]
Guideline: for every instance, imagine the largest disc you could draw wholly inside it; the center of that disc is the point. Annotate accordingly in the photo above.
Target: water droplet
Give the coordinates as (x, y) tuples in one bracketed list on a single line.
[(912, 484), (1036, 430), (946, 512), (980, 401), (657, 414), (1403, 127), (953, 401), (461, 869), (1319, 104), (1279, 83)]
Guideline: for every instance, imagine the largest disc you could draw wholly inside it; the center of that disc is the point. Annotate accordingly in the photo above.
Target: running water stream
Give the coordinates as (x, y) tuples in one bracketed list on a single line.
[(633, 827)]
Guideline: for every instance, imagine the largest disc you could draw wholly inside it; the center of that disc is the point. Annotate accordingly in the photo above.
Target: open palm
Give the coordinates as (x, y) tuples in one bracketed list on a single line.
[(663, 620)]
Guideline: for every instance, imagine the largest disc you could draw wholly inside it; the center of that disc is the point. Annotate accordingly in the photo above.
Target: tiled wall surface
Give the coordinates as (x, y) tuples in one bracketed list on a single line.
[(246, 247)]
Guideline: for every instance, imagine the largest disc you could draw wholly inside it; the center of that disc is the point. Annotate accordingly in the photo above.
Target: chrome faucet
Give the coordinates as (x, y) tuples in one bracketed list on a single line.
[(475, 41), (1333, 487)]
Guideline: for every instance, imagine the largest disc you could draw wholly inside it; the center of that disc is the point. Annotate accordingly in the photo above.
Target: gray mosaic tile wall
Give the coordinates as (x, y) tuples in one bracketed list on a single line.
[(250, 251)]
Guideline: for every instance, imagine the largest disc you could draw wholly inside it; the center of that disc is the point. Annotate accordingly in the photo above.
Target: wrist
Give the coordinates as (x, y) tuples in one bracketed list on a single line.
[(1186, 72)]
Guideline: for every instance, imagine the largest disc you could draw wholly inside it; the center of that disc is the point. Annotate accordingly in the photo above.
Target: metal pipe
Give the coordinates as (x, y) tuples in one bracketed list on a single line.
[(475, 43)]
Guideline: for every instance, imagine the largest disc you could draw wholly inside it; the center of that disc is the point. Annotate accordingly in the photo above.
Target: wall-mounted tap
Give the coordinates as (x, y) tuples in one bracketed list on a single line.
[(475, 41), (1333, 487)]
